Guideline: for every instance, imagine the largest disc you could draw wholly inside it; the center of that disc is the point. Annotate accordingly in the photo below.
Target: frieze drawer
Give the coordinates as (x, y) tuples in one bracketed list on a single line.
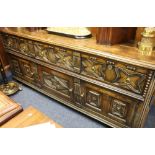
[(128, 77), (56, 83), (55, 55)]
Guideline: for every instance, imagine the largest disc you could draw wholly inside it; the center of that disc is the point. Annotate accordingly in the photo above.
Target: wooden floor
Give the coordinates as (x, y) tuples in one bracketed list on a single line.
[(30, 116)]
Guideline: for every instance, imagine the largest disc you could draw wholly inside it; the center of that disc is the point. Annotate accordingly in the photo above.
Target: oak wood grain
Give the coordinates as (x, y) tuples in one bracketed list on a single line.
[(30, 116)]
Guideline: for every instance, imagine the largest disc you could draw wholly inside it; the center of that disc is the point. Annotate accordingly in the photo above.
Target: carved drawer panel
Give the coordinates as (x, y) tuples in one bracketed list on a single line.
[(116, 73), (122, 111), (26, 47), (15, 66), (11, 42), (24, 69), (56, 83), (107, 104), (59, 56), (29, 69), (20, 45)]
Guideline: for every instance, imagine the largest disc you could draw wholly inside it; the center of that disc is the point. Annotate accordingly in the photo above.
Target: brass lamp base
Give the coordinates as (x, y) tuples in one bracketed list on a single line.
[(10, 88)]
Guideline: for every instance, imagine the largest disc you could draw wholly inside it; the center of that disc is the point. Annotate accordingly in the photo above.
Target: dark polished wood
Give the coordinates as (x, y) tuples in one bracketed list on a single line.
[(115, 35), (113, 84)]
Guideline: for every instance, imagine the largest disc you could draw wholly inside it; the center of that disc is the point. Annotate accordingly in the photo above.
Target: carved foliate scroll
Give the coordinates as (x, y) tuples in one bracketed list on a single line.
[(131, 81), (10, 42), (63, 58), (115, 73), (56, 83), (92, 67), (40, 51), (59, 56), (23, 46)]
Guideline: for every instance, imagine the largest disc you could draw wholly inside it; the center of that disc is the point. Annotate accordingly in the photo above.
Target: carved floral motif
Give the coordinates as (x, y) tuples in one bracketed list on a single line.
[(93, 99), (56, 83), (118, 75), (118, 108)]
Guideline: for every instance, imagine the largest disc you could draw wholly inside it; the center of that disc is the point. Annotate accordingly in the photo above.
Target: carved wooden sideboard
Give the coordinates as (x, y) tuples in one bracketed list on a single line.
[(113, 84)]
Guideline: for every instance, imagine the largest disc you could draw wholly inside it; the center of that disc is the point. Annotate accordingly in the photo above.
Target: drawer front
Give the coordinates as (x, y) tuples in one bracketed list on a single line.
[(106, 104), (25, 70), (125, 76), (10, 42), (55, 55), (56, 83)]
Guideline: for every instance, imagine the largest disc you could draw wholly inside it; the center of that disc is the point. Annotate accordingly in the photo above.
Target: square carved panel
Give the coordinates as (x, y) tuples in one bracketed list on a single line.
[(93, 99), (118, 108)]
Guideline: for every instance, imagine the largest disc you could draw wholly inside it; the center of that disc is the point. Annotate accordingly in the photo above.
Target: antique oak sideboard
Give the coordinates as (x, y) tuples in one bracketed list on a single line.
[(113, 84)]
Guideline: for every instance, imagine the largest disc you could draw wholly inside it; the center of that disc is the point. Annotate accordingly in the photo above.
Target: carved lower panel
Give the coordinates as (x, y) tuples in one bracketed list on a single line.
[(93, 99), (118, 109), (57, 83), (100, 102), (123, 111), (27, 70)]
